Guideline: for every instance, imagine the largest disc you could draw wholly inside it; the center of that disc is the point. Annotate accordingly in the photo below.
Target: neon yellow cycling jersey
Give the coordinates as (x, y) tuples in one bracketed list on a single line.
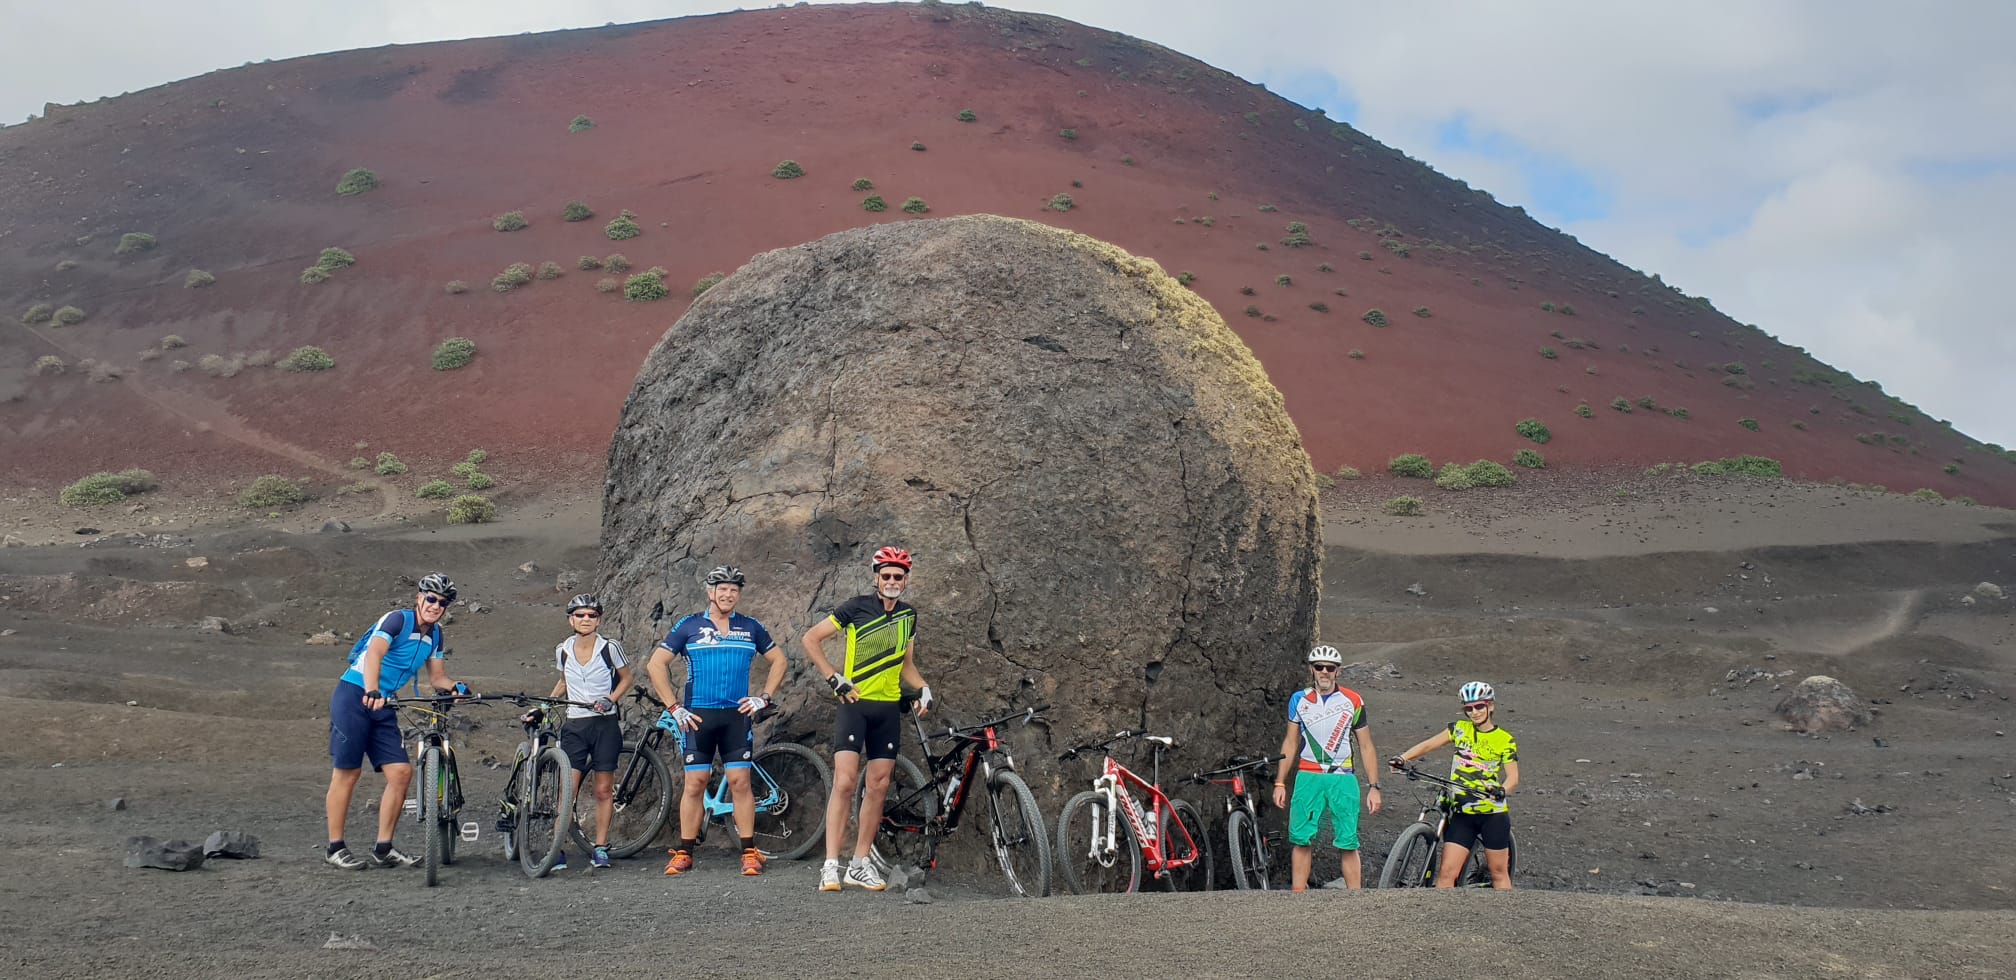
[(1480, 763), (877, 642)]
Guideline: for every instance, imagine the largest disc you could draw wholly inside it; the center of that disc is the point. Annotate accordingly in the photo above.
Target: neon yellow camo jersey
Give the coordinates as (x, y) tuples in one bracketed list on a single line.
[(1480, 762)]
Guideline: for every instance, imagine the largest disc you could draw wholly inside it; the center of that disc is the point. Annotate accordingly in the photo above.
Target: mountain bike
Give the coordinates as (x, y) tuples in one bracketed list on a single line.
[(1417, 854), (1251, 850), (789, 782), (643, 793), (541, 791), (1106, 837), (917, 819), (437, 794)]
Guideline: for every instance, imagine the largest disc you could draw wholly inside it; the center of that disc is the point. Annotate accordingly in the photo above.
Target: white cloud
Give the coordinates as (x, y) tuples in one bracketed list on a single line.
[(1801, 162)]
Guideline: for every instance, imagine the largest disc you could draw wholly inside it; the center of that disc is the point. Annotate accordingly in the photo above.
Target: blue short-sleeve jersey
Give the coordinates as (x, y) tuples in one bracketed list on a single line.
[(717, 663), (411, 647)]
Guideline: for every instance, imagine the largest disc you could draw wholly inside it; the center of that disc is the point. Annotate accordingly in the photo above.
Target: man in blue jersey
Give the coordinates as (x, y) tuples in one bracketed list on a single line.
[(716, 713), (361, 723)]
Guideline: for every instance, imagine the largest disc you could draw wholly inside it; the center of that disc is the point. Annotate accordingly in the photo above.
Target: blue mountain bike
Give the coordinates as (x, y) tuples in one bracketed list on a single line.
[(790, 783)]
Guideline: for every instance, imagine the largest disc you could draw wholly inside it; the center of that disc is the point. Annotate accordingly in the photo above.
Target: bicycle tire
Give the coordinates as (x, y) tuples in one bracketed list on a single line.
[(1411, 862), (549, 795), (903, 838), (645, 789), (430, 793), (1021, 837), (1477, 873), (1196, 875), (1085, 874), (791, 784), (451, 809), (1248, 851)]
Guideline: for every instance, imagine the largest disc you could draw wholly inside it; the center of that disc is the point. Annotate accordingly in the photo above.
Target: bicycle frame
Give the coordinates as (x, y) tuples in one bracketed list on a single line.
[(433, 731), (1119, 785), (951, 778)]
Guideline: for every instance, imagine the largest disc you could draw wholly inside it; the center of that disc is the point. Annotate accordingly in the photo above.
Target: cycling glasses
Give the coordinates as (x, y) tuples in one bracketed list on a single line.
[(1477, 706), (434, 600), (1323, 668), (585, 614), (891, 576)]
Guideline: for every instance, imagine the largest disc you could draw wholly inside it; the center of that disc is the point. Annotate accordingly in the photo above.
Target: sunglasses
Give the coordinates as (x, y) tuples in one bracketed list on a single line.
[(892, 576), (434, 600), (585, 614), (1324, 668), (1478, 706)]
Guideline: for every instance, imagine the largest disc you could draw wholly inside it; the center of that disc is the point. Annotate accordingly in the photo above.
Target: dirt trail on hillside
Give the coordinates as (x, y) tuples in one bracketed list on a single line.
[(1666, 822)]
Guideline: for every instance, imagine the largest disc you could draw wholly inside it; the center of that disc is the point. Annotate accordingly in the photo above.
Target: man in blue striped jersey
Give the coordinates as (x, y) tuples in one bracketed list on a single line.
[(716, 712)]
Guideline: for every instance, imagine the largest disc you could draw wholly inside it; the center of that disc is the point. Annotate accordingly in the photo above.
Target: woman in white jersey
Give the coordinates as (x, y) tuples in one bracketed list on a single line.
[(592, 669)]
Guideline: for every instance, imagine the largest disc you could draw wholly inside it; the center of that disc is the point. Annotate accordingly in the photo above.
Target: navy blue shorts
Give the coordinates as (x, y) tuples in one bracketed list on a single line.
[(355, 731), (723, 731)]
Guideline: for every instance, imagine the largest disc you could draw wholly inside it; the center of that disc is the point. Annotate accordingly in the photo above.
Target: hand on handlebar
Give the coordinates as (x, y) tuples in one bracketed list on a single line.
[(1397, 763), (374, 701)]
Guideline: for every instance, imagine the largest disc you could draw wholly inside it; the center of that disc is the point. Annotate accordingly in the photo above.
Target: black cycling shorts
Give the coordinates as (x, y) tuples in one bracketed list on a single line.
[(872, 728), (722, 730), (592, 744), (1465, 829)]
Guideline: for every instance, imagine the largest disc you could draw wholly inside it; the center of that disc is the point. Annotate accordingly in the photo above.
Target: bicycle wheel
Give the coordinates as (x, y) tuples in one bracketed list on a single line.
[(644, 791), (1021, 838), (903, 838), (1093, 861), (430, 793), (791, 783), (1477, 873), (549, 796), (1411, 862), (1194, 875), (1248, 850)]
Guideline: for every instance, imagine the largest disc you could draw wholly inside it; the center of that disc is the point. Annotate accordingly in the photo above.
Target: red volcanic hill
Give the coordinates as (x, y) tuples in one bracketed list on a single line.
[(234, 174)]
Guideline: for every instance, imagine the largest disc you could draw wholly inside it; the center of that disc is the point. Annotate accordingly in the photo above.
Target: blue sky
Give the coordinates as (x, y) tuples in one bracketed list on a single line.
[(1834, 172)]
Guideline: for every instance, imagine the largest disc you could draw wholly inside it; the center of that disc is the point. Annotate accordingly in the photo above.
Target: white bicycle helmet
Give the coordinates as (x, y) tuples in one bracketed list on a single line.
[(1477, 691), (1325, 654)]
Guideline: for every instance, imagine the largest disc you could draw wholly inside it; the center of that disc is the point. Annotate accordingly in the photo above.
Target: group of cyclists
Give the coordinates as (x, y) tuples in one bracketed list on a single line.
[(714, 713)]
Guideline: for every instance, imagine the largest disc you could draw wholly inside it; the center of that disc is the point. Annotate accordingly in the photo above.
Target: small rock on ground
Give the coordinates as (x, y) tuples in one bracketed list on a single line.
[(231, 844), (174, 855)]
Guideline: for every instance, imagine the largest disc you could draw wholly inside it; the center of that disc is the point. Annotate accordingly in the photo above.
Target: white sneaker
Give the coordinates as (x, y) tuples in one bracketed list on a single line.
[(342, 858), (394, 858), (864, 875), (829, 877)]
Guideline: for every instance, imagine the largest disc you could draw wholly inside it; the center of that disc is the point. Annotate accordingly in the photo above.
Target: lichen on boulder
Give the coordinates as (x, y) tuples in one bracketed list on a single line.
[(1095, 475)]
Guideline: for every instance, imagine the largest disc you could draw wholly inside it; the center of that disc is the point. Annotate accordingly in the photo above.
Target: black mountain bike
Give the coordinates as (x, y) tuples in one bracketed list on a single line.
[(1417, 854), (917, 818), (1251, 849), (541, 791), (789, 782), (437, 793)]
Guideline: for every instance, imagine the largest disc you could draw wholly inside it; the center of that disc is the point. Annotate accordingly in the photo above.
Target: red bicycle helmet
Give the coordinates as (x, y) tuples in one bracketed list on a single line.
[(890, 556)]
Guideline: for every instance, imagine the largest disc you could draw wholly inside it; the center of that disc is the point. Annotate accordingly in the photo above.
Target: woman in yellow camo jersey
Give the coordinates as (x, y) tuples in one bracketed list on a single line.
[(1487, 762)]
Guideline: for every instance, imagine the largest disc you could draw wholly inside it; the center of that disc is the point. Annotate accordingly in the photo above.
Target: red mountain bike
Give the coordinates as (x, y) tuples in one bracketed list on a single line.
[(1124, 825)]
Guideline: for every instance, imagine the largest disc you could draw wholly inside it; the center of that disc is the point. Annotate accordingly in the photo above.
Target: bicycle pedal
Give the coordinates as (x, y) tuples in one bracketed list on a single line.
[(470, 831), (410, 806)]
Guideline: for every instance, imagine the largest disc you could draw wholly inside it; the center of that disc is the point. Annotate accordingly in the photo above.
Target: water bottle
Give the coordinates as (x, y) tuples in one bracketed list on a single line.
[(951, 792), (1154, 828)]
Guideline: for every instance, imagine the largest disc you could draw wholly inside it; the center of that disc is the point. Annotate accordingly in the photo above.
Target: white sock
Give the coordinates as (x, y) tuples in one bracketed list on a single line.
[(832, 862), (859, 862)]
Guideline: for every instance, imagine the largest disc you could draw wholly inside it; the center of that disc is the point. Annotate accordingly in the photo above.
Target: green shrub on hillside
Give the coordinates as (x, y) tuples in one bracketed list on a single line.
[(1298, 235), (435, 490), (915, 205), (106, 488), (587, 263), (1548, 353), (388, 465), (471, 509), (314, 274), (514, 275), (197, 279), (616, 262), (1759, 466), (621, 229), (219, 366), (510, 221), (707, 282), (1374, 317), (1530, 458), (1454, 476), (1422, 312), (1069, 134), (645, 287), (579, 124), (1356, 354), (607, 284), (1060, 202), (550, 269), (874, 202), (67, 316), (134, 241), (1621, 404), (1402, 507), (576, 211), (39, 313), (456, 287), (1491, 473), (787, 170), (307, 358), (332, 259), (919, 147), (49, 364), (462, 469), (1411, 464), (1748, 423), (357, 181), (966, 115), (1320, 306), (1927, 493), (480, 480), (1284, 281), (1533, 429), (453, 353), (1585, 411), (476, 456), (272, 491), (1349, 473)]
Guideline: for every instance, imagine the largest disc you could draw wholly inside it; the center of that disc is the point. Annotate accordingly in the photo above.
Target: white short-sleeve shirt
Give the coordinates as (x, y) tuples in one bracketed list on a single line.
[(592, 680)]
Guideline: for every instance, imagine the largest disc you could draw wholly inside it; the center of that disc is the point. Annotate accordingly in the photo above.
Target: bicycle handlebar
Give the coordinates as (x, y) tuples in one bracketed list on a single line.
[(1122, 735), (1414, 774), (1239, 764), (1026, 715)]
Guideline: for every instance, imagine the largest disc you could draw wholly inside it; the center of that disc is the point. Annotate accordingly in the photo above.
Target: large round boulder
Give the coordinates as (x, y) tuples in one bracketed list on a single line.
[(1097, 479), (1822, 704)]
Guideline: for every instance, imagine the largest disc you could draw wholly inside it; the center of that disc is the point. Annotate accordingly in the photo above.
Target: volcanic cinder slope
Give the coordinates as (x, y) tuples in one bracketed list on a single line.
[(234, 174)]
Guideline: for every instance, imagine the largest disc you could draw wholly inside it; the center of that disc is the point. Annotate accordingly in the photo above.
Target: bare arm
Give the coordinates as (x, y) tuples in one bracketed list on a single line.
[(814, 643), (775, 679), (1288, 756), (624, 678), (437, 675), (1511, 776), (1371, 755), (372, 663), (1427, 745), (659, 668), (910, 674)]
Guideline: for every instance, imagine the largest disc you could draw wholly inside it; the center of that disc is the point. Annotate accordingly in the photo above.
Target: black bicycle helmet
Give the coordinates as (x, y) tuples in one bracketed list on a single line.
[(585, 600), (438, 584), (725, 575)]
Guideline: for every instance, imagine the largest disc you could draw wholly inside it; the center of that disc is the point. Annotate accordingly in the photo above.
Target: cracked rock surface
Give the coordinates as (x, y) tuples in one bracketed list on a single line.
[(1094, 473)]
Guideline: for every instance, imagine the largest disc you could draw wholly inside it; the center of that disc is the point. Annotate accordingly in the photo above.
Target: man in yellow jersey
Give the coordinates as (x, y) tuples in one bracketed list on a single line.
[(880, 630), (1487, 766)]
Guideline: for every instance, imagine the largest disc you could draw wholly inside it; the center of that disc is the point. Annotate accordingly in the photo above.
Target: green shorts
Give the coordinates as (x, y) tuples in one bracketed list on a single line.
[(1316, 792)]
